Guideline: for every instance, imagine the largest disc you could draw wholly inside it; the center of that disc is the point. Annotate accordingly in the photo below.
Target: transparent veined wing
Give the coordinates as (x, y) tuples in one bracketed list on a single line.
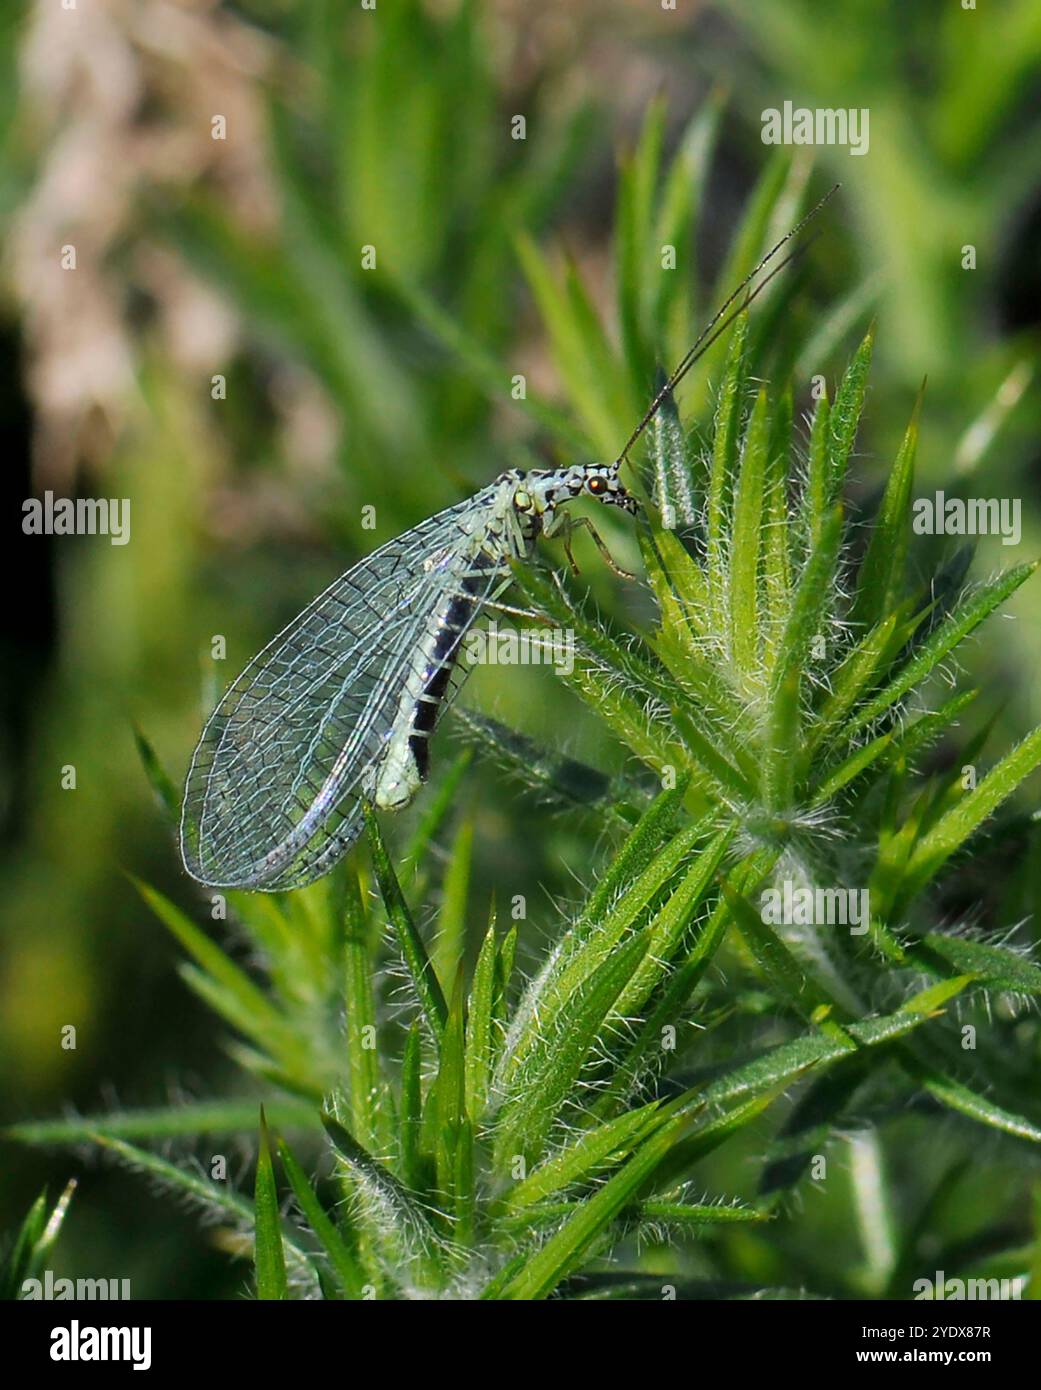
[(273, 796)]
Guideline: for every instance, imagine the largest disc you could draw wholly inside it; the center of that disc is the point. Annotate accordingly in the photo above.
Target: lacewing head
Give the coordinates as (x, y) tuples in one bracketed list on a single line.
[(542, 490)]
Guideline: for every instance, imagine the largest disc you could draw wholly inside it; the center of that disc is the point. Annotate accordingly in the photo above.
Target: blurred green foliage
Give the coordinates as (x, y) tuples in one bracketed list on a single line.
[(392, 388)]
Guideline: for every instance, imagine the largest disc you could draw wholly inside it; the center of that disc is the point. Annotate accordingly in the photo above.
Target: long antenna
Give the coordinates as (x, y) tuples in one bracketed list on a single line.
[(704, 341)]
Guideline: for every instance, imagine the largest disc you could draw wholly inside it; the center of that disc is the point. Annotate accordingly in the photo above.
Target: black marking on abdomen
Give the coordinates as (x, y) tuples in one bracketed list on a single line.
[(442, 660)]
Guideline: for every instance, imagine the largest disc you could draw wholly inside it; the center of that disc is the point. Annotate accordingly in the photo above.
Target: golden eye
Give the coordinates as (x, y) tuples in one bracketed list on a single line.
[(522, 501), (597, 485)]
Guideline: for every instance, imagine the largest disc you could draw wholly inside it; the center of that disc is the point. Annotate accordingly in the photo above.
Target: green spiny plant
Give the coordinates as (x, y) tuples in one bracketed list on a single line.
[(490, 1137), (27, 1256)]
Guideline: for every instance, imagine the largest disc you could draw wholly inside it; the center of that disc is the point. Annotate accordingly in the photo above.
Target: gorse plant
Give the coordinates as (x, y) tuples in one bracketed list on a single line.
[(515, 1135)]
